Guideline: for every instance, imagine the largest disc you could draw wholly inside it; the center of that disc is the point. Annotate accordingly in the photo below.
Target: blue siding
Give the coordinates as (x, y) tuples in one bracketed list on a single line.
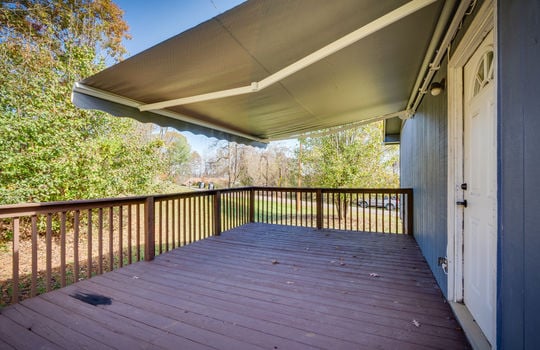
[(519, 174), (424, 168)]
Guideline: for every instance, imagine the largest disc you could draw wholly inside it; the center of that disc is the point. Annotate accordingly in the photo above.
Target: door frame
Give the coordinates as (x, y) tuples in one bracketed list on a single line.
[(481, 25)]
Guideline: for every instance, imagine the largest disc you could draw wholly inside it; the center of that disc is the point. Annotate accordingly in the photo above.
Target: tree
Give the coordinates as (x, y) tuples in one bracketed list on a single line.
[(176, 154), (49, 149), (226, 161), (196, 164), (245, 165), (350, 158)]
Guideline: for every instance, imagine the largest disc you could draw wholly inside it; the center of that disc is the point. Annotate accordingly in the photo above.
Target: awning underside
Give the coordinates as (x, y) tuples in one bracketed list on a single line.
[(372, 77)]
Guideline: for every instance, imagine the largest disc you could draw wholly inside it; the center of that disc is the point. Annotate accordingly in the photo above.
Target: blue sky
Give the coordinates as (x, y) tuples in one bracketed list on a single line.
[(151, 22)]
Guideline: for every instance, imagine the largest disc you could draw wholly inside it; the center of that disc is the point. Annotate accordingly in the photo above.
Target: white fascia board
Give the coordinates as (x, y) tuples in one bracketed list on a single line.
[(345, 41)]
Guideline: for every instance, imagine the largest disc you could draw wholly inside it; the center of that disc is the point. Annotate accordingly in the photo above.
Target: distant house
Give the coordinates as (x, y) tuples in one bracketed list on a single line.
[(456, 83)]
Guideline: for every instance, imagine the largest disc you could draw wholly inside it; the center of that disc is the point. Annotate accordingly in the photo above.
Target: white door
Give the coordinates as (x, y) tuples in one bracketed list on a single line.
[(480, 177)]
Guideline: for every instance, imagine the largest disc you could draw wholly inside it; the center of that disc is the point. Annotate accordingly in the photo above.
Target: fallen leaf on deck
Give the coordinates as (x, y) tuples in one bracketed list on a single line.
[(416, 323), (373, 274), (342, 264), (135, 277), (275, 262), (289, 282)]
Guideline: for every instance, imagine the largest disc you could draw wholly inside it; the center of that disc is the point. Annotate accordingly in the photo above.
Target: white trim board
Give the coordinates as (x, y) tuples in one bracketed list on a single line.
[(481, 25)]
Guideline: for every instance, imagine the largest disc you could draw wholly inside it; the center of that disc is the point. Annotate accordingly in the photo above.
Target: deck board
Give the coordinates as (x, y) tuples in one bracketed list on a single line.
[(255, 287)]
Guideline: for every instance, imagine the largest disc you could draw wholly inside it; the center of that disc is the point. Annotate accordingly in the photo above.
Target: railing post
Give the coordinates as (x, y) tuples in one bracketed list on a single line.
[(410, 212), (149, 229), (217, 213), (251, 204), (319, 209)]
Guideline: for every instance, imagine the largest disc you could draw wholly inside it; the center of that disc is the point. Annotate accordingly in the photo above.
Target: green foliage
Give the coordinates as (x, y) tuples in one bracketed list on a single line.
[(49, 149), (349, 158), (176, 154)]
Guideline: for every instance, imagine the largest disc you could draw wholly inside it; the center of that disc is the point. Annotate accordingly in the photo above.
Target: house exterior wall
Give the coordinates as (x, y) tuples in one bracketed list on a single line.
[(519, 174), (424, 162), (424, 168)]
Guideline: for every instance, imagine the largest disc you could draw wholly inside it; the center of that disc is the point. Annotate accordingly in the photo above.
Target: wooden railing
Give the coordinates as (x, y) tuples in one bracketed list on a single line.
[(370, 210), (51, 245)]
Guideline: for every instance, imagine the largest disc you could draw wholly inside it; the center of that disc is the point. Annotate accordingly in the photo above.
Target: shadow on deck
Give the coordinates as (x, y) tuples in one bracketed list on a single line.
[(258, 286)]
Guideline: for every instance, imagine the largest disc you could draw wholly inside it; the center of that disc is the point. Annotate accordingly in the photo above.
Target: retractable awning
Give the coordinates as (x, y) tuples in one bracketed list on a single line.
[(274, 69)]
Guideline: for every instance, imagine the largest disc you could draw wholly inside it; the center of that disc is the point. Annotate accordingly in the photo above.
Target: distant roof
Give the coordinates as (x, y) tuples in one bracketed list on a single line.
[(256, 43)]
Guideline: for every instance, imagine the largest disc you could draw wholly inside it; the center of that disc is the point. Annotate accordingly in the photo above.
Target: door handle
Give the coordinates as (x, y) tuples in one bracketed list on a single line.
[(464, 203)]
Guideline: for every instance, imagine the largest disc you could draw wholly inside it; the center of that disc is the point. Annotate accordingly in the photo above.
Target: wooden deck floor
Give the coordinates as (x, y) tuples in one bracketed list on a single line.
[(255, 287)]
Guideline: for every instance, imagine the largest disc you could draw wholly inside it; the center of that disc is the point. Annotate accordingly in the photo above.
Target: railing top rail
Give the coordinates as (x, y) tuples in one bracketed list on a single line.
[(326, 189), (28, 209)]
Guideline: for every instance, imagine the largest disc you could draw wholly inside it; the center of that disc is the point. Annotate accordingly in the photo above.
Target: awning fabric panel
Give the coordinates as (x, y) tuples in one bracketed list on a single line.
[(372, 77), (90, 102)]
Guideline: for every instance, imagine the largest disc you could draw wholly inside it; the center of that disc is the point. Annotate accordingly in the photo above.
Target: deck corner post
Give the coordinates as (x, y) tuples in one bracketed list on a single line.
[(149, 229), (410, 213), (217, 213), (319, 209), (251, 204)]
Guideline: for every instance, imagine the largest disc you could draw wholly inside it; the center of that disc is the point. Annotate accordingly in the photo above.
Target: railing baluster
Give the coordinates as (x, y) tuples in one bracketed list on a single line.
[(63, 249), (208, 220), (130, 222), (34, 256), (180, 222), (352, 214), (217, 213), (111, 245), (120, 236), (195, 227), (76, 227), (199, 216), (100, 240), (187, 212), (138, 232), (15, 261), (398, 208), (160, 226), (89, 239), (356, 222), (265, 203), (166, 225), (319, 210), (48, 247), (383, 214), (369, 213), (251, 203), (234, 202), (184, 223)]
